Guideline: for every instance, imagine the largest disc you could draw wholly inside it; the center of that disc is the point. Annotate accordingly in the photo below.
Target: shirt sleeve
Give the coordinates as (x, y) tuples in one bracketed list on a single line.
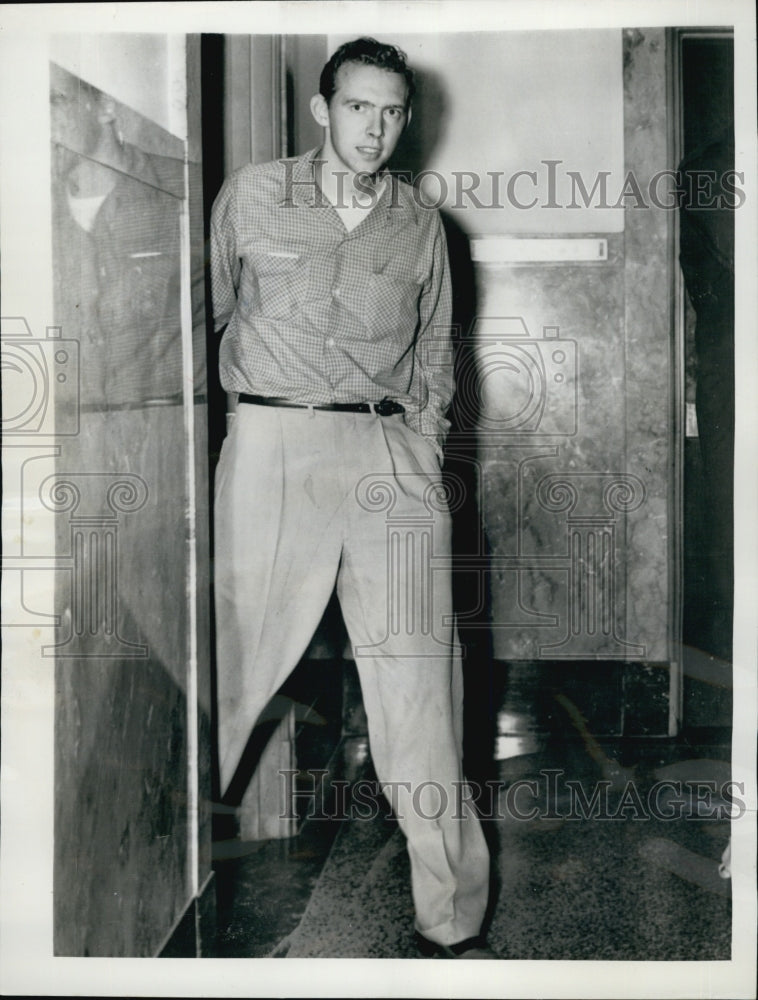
[(225, 261), (434, 350)]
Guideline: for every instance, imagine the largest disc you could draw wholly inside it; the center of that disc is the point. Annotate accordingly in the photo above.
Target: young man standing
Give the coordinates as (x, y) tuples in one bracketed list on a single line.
[(332, 283)]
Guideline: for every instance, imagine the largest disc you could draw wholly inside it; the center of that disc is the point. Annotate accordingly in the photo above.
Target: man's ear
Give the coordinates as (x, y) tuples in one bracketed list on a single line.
[(320, 110), (408, 115)]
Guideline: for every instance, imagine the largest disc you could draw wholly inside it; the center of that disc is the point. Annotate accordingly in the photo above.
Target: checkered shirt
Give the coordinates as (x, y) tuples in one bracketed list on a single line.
[(317, 314)]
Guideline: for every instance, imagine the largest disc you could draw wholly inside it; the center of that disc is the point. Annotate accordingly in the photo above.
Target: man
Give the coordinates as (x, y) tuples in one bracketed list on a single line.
[(116, 237), (334, 288)]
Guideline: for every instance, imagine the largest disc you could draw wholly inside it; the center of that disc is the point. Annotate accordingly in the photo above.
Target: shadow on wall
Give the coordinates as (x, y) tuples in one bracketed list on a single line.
[(430, 117)]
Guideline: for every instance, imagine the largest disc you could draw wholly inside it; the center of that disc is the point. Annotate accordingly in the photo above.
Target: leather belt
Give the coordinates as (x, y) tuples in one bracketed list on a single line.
[(386, 408)]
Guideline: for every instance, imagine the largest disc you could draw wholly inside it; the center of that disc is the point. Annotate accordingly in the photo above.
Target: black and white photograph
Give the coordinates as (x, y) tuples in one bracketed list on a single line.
[(380, 559)]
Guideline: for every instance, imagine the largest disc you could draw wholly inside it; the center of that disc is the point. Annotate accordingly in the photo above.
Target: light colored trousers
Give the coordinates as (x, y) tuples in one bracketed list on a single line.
[(307, 498)]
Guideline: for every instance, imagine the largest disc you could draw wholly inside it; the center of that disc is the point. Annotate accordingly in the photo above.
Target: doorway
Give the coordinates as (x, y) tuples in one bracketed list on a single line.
[(704, 141)]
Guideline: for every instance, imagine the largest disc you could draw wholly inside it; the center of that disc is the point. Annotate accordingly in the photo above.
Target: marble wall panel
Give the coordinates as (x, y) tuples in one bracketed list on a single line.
[(130, 498), (555, 482), (121, 817), (124, 476), (121, 835), (578, 494), (649, 340)]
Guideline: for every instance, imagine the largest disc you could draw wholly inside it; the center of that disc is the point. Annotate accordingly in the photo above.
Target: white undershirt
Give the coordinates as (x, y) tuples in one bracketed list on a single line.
[(84, 210), (359, 207)]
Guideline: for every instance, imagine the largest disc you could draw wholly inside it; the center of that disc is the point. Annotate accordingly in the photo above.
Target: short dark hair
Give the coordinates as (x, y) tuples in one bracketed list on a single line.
[(369, 52)]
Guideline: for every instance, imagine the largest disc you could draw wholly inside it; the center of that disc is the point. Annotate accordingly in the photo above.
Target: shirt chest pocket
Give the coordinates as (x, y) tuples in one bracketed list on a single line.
[(274, 279), (393, 305)]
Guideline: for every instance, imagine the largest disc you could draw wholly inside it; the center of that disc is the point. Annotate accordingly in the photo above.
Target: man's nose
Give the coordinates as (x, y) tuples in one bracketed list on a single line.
[(375, 125)]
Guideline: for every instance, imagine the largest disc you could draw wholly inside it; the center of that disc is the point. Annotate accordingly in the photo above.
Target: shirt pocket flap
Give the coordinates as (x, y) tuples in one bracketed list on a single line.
[(268, 257), (395, 285)]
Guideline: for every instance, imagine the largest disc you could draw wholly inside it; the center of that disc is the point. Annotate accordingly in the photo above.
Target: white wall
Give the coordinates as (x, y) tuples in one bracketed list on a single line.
[(505, 101), (145, 72)]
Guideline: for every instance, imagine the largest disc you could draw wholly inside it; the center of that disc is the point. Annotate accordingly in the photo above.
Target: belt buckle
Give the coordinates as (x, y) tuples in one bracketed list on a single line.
[(387, 407)]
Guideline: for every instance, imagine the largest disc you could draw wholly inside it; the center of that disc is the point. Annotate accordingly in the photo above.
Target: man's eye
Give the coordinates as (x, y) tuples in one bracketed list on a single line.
[(356, 107)]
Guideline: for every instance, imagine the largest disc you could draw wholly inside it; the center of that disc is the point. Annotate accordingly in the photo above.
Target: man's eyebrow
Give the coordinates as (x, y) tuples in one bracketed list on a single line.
[(370, 104)]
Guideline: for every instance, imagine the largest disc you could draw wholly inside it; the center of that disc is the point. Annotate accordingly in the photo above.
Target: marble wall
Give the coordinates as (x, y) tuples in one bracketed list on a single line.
[(650, 417), (550, 446), (564, 417), (130, 499)]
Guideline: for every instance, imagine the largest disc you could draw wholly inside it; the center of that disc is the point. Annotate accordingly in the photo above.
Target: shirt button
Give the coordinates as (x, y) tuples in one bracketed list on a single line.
[(330, 341), (337, 293)]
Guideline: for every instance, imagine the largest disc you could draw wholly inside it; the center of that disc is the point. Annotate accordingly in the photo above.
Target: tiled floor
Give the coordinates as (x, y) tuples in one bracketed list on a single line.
[(617, 879)]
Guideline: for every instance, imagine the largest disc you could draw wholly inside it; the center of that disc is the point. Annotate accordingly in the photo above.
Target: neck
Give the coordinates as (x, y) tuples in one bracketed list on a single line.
[(109, 147)]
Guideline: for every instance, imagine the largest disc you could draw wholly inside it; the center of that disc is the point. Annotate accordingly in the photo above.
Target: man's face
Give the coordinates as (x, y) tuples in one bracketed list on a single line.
[(75, 109), (365, 117)]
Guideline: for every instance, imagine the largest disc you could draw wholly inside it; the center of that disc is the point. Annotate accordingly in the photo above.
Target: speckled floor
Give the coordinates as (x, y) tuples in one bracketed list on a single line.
[(617, 880)]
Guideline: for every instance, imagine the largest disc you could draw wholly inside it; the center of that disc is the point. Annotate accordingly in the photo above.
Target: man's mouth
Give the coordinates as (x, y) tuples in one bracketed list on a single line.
[(369, 151)]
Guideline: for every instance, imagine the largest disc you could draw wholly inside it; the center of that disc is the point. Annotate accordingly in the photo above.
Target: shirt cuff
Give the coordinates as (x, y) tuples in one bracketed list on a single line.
[(430, 425)]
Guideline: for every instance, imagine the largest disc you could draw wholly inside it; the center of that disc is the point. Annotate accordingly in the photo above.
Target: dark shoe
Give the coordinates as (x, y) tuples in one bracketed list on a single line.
[(471, 948)]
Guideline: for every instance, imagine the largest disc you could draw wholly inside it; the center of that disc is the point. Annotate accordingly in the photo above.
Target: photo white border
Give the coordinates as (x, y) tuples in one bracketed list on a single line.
[(27, 708)]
